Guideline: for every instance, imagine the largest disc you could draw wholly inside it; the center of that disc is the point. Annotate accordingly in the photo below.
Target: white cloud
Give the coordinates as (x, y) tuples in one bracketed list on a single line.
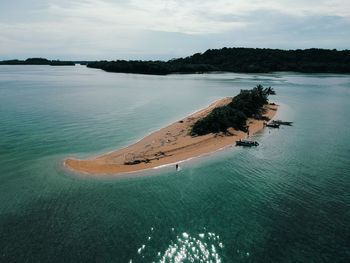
[(168, 16), (110, 28), (192, 16)]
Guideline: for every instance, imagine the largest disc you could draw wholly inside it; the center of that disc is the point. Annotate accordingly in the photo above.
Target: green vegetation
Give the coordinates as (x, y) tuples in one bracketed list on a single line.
[(37, 61), (151, 67), (248, 103), (245, 60)]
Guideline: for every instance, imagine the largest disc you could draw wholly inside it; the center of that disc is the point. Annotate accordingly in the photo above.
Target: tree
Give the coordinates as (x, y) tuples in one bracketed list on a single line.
[(234, 115)]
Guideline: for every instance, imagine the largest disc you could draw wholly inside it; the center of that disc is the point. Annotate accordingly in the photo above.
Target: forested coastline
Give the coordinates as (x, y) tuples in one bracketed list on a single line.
[(37, 61), (241, 60)]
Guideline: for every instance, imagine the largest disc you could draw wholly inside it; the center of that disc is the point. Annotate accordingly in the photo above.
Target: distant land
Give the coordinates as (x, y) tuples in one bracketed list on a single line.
[(240, 60), (37, 61)]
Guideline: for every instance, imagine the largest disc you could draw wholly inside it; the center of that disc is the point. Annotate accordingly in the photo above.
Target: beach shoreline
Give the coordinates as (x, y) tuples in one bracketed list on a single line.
[(165, 147)]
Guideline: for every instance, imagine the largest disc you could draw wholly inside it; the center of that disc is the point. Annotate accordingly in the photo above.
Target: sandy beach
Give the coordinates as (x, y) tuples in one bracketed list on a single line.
[(168, 145)]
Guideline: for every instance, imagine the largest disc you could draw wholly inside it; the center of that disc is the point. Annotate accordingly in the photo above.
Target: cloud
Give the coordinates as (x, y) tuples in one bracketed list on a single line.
[(96, 29)]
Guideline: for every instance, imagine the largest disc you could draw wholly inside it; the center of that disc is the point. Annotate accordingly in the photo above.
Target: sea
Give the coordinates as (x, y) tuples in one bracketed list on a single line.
[(287, 200)]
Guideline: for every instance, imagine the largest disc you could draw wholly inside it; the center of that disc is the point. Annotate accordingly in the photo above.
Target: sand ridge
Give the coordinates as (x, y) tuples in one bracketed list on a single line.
[(168, 145)]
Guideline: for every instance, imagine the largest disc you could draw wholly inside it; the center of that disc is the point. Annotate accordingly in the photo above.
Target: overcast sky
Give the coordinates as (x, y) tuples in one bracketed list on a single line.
[(163, 29)]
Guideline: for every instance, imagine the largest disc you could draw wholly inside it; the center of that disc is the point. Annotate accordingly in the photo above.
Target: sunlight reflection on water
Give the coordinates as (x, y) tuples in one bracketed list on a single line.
[(184, 247)]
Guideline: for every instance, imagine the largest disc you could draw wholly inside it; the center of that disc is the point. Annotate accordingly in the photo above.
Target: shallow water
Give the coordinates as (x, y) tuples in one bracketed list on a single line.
[(286, 201)]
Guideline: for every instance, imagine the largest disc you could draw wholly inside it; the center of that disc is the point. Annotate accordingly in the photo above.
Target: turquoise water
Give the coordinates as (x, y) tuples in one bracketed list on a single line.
[(286, 201)]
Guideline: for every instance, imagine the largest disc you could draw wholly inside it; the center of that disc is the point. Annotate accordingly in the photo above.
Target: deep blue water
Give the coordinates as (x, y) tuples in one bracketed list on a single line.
[(286, 201)]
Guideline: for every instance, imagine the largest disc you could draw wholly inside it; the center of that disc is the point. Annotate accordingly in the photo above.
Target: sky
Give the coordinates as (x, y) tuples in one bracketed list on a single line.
[(165, 29)]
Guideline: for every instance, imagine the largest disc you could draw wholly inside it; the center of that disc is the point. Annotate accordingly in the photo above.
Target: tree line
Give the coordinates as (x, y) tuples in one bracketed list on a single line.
[(243, 60), (37, 61), (247, 104)]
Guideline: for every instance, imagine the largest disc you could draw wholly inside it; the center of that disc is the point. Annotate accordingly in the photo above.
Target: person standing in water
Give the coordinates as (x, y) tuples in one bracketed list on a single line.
[(177, 167)]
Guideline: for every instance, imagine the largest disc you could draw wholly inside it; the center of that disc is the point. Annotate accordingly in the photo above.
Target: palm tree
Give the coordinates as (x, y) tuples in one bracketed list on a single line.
[(270, 91)]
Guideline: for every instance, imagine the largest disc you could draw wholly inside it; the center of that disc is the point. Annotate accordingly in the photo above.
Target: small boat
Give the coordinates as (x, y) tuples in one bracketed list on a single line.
[(289, 123), (246, 143), (273, 125)]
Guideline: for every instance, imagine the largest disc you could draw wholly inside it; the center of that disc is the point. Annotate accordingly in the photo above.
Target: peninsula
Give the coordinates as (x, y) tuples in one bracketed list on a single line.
[(219, 125)]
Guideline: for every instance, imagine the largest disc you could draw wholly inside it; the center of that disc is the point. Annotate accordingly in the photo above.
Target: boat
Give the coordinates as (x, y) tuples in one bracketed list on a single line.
[(246, 143), (273, 125), (289, 123)]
